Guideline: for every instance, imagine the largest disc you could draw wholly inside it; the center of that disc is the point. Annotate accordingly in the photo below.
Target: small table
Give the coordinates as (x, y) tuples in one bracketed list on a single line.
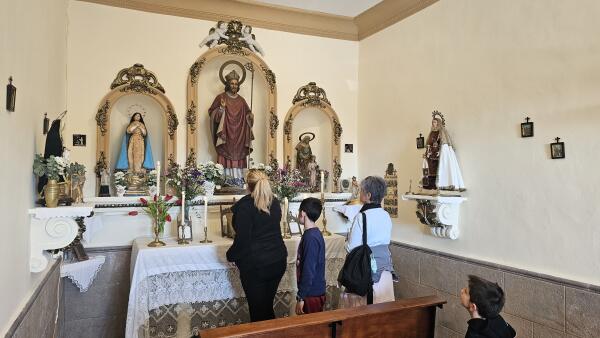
[(199, 273)]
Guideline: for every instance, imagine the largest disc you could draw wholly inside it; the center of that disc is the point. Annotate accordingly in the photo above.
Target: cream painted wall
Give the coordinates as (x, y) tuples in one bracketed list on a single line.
[(486, 65), (33, 45), (102, 40)]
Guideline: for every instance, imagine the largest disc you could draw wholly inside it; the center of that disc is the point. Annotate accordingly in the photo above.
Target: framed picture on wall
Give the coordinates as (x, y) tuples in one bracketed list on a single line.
[(557, 149), (420, 142), (527, 128)]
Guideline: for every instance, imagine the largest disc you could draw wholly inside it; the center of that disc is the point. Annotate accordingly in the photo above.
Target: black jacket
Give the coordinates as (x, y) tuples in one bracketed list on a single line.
[(257, 239), (489, 328)]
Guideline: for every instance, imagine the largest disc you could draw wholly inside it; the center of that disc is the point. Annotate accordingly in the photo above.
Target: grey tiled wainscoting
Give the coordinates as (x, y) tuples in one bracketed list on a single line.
[(38, 317), (536, 305), (101, 311)]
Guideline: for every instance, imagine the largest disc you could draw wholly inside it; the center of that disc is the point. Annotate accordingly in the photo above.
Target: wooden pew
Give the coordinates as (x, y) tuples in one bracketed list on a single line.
[(406, 318)]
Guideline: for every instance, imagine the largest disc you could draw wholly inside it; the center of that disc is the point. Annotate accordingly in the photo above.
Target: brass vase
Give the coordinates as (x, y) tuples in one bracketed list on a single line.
[(51, 192), (157, 234)]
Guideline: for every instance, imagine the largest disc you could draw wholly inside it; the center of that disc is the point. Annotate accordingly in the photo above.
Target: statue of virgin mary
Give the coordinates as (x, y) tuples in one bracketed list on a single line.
[(136, 152)]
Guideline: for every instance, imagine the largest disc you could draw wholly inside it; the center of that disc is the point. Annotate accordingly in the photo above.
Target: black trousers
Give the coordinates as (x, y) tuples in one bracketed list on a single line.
[(260, 285)]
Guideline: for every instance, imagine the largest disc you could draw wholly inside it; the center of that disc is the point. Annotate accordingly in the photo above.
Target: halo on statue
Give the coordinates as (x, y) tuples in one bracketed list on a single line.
[(136, 108), (234, 62), (307, 133), (440, 116)]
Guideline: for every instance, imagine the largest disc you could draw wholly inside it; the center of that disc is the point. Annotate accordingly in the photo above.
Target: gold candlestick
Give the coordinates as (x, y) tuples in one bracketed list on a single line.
[(206, 240), (325, 232)]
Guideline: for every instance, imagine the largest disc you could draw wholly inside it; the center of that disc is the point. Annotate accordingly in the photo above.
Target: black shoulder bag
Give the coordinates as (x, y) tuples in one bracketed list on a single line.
[(356, 275)]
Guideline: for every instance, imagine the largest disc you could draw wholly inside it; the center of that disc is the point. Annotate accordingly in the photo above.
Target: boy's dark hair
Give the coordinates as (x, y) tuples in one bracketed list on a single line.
[(488, 296), (312, 207)]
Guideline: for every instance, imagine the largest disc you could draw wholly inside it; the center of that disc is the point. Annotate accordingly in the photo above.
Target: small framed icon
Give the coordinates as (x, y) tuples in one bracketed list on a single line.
[(420, 142), (557, 149), (349, 148), (79, 140), (527, 128)]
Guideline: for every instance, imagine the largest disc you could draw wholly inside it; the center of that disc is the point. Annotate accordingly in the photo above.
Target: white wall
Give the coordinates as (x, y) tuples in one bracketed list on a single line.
[(33, 51), (486, 65), (103, 40)]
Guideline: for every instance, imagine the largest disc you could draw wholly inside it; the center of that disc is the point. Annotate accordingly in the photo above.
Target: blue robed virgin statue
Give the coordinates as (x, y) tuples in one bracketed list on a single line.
[(136, 152)]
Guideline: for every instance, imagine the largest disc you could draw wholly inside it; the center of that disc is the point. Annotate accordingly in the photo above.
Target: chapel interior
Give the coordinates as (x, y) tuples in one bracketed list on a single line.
[(465, 108)]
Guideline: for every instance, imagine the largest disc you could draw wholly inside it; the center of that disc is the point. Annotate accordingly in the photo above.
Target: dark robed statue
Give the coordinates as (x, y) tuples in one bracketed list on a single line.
[(231, 127)]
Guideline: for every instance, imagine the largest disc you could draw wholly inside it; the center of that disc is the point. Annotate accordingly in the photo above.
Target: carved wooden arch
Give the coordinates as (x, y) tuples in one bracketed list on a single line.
[(253, 63), (130, 81), (311, 96)]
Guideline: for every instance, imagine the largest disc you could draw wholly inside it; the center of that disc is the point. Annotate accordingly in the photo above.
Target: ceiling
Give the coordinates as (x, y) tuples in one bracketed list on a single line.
[(349, 8)]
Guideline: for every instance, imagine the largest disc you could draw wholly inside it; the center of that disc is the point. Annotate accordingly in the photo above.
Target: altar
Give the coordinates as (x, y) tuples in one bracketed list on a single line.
[(178, 290)]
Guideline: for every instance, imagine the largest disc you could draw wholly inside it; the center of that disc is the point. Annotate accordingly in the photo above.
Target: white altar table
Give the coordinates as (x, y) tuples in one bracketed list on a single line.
[(194, 273)]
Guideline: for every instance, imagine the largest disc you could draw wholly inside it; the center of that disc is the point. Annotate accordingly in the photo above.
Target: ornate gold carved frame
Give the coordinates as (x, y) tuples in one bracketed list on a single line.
[(130, 81), (311, 96), (252, 60)]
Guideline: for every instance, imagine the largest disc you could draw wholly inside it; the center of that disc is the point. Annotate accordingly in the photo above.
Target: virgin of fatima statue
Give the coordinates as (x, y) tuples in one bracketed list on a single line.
[(136, 153), (440, 167)]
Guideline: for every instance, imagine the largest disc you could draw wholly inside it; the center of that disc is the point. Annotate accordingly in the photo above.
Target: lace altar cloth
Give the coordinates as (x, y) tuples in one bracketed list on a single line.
[(83, 273), (196, 273)]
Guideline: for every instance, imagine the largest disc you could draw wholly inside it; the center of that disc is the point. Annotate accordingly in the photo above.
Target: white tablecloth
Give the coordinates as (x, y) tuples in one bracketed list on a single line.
[(198, 272)]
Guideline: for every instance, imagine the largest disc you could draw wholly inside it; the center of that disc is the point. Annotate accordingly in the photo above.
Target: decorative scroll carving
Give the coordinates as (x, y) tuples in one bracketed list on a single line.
[(191, 159), (270, 77), (337, 131), (337, 173), (273, 161), (172, 121), (100, 164), (234, 43), (312, 94), (102, 117), (287, 129), (439, 213), (273, 123), (195, 70), (138, 79), (191, 117)]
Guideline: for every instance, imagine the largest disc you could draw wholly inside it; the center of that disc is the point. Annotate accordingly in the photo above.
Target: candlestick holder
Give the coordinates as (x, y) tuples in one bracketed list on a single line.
[(206, 240), (325, 232)]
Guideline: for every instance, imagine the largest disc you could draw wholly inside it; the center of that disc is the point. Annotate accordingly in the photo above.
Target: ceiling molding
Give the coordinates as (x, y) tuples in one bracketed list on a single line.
[(281, 18)]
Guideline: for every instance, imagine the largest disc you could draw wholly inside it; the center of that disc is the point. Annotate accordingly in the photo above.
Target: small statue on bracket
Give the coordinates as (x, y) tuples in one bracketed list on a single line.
[(440, 167), (355, 189)]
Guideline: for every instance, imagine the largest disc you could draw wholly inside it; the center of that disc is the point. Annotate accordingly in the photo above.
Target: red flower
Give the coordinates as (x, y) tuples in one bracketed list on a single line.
[(168, 197), (144, 201), (178, 202), (168, 218), (133, 213), (154, 198)]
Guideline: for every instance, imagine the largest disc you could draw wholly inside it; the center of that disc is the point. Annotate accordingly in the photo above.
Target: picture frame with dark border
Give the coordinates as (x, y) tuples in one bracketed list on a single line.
[(79, 140), (420, 141), (557, 149), (348, 148), (527, 128)]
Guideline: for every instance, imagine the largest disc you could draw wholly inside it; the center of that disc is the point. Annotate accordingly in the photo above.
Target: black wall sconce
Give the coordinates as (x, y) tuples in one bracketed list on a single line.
[(46, 123), (420, 141), (557, 149), (527, 128), (11, 95)]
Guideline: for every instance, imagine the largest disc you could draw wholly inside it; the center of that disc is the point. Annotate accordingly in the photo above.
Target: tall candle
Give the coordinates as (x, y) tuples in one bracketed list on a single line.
[(322, 181), (158, 178), (206, 212), (285, 208), (183, 207)]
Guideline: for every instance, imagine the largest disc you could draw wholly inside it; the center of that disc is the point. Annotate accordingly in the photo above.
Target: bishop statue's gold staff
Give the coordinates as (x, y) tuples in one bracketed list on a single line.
[(324, 232)]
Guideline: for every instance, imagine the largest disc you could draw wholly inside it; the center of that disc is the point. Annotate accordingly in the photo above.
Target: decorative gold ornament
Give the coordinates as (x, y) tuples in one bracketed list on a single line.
[(273, 123), (191, 117), (191, 159), (337, 173), (270, 77), (312, 94), (195, 70), (102, 117), (287, 128), (337, 131), (100, 164), (172, 121), (138, 79)]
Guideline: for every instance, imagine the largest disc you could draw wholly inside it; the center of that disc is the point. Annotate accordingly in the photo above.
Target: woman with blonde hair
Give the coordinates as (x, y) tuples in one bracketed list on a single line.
[(258, 249)]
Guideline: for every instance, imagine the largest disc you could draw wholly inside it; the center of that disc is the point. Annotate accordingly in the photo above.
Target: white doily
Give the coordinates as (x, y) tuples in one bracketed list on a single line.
[(83, 273)]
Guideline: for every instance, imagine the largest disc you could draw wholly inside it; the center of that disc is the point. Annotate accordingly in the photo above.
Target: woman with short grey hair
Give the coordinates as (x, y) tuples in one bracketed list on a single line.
[(379, 232)]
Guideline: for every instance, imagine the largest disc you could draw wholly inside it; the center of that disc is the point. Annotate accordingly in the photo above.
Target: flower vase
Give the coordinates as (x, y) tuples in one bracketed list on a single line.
[(120, 191), (51, 194), (209, 188), (158, 234)]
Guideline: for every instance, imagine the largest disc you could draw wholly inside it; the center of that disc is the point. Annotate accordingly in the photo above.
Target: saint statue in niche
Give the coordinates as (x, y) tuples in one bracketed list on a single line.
[(312, 173), (304, 153), (231, 123), (440, 167), (136, 153)]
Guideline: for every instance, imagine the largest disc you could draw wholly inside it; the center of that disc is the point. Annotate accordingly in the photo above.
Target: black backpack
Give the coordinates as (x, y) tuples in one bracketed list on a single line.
[(356, 275)]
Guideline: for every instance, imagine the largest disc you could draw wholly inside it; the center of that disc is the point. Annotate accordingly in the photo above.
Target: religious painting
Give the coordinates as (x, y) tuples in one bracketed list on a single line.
[(527, 128), (557, 149), (420, 142), (79, 140), (348, 148)]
